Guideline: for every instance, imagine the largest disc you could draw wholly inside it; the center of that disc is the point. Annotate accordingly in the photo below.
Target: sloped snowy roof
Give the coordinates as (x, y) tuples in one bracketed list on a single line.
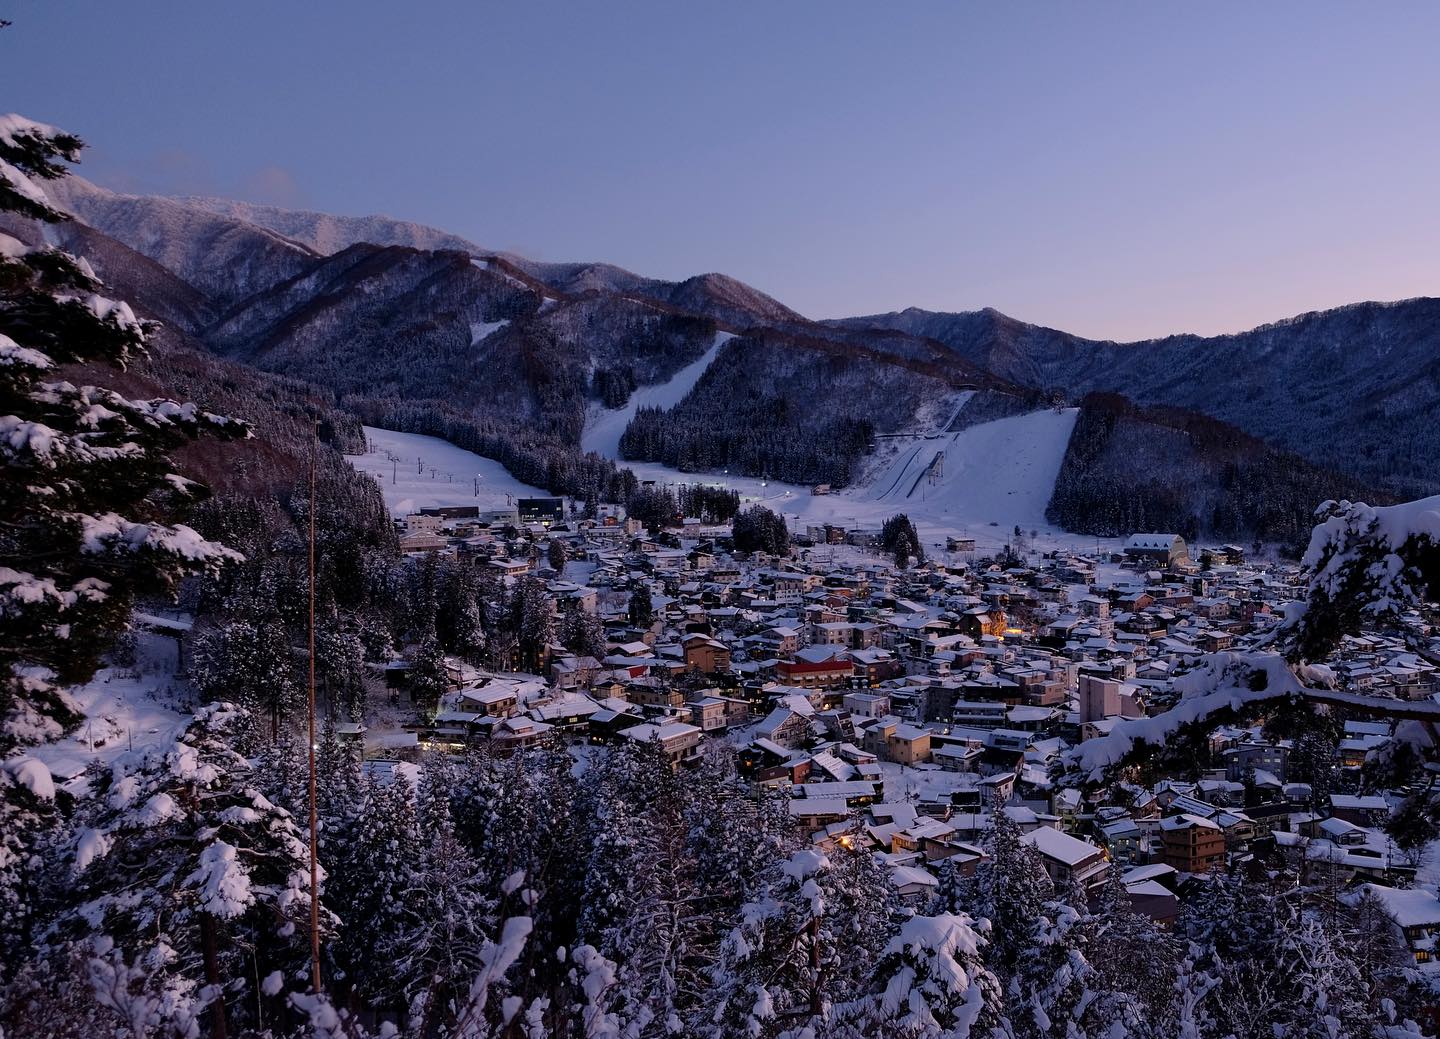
[(1060, 846), (1152, 542), (1411, 907)]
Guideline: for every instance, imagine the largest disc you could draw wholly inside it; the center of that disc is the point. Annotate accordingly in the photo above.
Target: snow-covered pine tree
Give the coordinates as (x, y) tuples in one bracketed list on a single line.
[(582, 633), (191, 883), (88, 485), (1369, 936), (1135, 964), (931, 983), (860, 892), (1241, 937), (429, 677), (249, 660), (370, 858), (87, 492), (1052, 985), (1019, 890), (662, 933), (285, 770), (532, 621), (735, 834), (460, 611), (1364, 564), (769, 977), (1334, 1001), (443, 919), (525, 813), (641, 609), (340, 666)]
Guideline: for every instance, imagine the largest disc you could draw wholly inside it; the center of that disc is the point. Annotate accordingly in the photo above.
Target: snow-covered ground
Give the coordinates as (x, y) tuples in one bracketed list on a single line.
[(124, 706), (999, 472), (605, 426), (482, 330), (418, 472), (995, 476)]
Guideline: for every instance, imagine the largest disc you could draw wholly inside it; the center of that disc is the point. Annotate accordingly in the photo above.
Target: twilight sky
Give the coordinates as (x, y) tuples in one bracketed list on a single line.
[(1114, 169)]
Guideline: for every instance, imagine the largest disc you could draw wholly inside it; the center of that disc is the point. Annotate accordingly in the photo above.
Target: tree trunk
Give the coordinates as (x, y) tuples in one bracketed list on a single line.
[(209, 943)]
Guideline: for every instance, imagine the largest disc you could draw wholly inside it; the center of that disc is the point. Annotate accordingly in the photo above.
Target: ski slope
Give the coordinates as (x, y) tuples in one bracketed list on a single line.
[(418, 472), (605, 426), (995, 476), (1001, 472)]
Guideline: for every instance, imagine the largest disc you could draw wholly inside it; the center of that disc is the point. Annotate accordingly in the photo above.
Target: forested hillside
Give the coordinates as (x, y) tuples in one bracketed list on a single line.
[(800, 410), (1353, 389), (1130, 469), (425, 332)]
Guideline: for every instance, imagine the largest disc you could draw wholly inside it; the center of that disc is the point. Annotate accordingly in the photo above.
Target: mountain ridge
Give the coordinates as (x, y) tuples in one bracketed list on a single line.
[(1351, 388), (387, 329)]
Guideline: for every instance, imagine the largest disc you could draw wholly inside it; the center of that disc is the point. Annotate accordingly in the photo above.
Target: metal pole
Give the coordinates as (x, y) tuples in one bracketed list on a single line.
[(310, 710)]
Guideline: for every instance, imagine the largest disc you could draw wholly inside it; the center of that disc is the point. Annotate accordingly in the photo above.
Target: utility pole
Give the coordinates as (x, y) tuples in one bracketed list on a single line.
[(310, 711)]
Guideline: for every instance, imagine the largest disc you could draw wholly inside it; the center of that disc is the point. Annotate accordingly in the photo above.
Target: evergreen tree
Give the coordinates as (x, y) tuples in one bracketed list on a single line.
[(899, 537), (1414, 824), (532, 621), (251, 662), (340, 667), (1371, 939), (1365, 565), (641, 608), (1050, 989), (769, 977), (555, 555), (30, 822), (88, 486), (660, 940), (1243, 938), (442, 918), (1019, 889), (931, 983), (429, 677), (370, 859), (1135, 965), (582, 633), (192, 882), (758, 529)]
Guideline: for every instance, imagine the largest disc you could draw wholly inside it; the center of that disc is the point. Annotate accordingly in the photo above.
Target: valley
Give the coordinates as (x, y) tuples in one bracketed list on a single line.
[(407, 632)]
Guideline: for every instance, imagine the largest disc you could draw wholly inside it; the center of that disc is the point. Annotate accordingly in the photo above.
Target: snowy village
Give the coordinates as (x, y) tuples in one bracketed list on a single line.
[(404, 638)]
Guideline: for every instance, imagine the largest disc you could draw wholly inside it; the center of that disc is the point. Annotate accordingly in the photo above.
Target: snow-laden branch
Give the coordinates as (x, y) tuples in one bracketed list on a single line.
[(1365, 565), (1220, 681)]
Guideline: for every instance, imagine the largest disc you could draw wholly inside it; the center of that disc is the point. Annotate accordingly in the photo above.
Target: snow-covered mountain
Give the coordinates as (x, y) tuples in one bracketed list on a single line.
[(226, 259), (1355, 388), (714, 294), (325, 233), (427, 331)]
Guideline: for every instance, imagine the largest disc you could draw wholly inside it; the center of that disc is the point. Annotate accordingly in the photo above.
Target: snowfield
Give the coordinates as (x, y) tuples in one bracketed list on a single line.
[(995, 476), (417, 472), (1002, 472), (605, 426), (482, 330), (124, 706)]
